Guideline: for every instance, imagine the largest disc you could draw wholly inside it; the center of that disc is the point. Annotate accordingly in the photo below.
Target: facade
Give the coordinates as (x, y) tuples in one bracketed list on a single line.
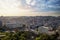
[(12, 25), (0, 23), (44, 29)]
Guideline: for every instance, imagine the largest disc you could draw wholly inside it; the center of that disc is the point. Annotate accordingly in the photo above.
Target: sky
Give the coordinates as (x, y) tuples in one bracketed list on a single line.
[(29, 7)]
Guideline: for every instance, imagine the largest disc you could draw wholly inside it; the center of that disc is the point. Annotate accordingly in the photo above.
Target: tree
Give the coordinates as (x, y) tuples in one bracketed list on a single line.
[(8, 36), (42, 37)]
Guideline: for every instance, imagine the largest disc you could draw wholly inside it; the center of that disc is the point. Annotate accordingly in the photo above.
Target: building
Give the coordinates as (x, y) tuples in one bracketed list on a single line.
[(12, 24), (0, 23), (47, 30)]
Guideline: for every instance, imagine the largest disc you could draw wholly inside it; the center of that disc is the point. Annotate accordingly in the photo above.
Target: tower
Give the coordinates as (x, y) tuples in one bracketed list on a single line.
[(0, 23)]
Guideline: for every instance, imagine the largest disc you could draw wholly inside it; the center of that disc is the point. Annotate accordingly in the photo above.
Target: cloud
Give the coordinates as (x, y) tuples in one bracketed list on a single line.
[(29, 7), (28, 1), (39, 5), (12, 6)]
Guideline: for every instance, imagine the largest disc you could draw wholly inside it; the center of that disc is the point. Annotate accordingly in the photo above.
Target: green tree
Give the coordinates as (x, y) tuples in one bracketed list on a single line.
[(8, 36), (22, 37), (42, 37)]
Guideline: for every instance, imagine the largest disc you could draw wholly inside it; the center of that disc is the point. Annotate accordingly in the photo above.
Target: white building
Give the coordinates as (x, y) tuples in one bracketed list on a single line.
[(44, 29)]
